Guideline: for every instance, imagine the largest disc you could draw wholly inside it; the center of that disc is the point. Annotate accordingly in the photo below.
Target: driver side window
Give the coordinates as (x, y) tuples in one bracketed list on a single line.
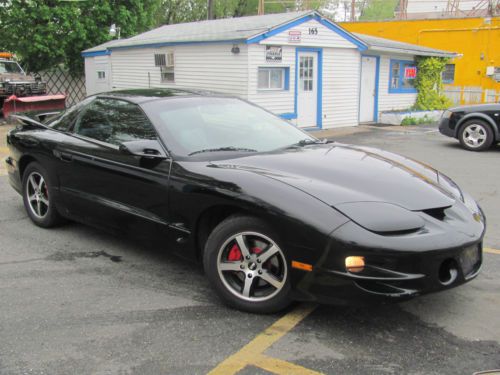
[(114, 121)]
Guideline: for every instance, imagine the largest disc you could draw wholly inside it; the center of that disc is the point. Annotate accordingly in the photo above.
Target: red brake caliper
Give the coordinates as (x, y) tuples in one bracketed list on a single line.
[(234, 254)]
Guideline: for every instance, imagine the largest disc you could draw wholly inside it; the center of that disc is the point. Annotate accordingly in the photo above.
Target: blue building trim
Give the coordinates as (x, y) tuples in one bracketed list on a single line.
[(342, 32), (280, 29), (287, 78), (400, 89), (319, 98), (288, 116), (96, 53), (330, 25)]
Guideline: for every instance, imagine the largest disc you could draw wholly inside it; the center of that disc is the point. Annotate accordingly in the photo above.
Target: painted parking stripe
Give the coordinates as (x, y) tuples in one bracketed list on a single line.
[(251, 354), (491, 251)]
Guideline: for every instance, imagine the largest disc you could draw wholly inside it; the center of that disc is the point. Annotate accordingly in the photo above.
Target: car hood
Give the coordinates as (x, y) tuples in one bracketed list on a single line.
[(338, 173), (476, 108)]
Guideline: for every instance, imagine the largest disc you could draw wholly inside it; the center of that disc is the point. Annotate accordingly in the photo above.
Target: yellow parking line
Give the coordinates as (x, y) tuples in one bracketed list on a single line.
[(491, 251), (280, 367), (251, 354)]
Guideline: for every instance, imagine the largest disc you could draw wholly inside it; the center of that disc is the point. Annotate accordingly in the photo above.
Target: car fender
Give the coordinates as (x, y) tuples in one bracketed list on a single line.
[(481, 116)]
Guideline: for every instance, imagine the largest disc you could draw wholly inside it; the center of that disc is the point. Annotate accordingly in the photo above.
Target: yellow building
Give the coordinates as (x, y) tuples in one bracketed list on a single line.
[(472, 78)]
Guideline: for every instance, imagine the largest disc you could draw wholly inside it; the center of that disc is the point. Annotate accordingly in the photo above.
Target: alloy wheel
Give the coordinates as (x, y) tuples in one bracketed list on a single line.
[(38, 195), (252, 266), (474, 135)]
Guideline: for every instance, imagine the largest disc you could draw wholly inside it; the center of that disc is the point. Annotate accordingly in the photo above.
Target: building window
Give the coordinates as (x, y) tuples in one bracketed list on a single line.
[(402, 76), (101, 74), (448, 74), (166, 64), (160, 59), (273, 78)]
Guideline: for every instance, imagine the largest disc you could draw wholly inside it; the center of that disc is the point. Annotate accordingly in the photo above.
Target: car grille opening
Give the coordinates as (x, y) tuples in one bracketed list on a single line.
[(437, 213)]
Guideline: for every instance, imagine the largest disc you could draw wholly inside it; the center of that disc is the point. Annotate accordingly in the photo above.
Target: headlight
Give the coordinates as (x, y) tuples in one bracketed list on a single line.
[(447, 114), (450, 186)]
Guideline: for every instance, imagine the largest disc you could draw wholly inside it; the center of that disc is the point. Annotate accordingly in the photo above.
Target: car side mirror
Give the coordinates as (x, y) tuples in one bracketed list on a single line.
[(148, 149)]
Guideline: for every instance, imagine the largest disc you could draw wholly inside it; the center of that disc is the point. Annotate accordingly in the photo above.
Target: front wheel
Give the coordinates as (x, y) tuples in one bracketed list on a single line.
[(245, 263), (476, 135), (38, 196)]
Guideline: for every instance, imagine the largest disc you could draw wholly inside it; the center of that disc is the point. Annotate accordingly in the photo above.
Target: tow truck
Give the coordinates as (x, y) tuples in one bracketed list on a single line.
[(22, 92)]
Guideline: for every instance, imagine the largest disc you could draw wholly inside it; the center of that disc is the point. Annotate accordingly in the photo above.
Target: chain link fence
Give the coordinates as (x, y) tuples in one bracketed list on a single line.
[(59, 81)]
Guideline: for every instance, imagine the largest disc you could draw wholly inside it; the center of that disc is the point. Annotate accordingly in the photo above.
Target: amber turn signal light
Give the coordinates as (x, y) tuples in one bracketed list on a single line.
[(302, 266), (355, 263)]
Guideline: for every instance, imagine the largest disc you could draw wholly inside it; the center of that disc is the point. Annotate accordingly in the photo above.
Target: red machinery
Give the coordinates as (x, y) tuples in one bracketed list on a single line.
[(13, 104)]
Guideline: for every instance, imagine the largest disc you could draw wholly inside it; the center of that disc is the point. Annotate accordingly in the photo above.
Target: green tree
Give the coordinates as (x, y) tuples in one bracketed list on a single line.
[(45, 33), (378, 10)]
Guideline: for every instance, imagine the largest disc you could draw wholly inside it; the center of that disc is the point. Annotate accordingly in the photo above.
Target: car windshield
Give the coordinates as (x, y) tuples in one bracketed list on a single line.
[(9, 67), (198, 125)]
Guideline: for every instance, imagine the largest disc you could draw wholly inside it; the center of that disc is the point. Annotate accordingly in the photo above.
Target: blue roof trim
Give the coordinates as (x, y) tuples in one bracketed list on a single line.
[(280, 29), (96, 53), (328, 24), (168, 44), (343, 33)]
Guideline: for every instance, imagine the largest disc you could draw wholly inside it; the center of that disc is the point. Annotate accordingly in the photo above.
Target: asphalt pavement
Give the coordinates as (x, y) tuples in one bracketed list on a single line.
[(76, 300)]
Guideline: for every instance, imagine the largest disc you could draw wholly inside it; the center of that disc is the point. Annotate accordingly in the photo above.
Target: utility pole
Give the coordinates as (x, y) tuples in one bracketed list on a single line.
[(210, 9), (353, 11), (260, 9)]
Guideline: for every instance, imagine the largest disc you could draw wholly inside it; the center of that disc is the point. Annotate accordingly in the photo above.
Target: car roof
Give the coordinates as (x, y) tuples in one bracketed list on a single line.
[(139, 96)]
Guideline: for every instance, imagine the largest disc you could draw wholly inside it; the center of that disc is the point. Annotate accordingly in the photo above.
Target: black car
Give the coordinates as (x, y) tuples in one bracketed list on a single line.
[(475, 126), (273, 213)]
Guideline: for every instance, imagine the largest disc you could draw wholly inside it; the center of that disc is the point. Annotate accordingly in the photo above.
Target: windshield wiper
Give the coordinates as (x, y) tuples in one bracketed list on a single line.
[(307, 142), (229, 148)]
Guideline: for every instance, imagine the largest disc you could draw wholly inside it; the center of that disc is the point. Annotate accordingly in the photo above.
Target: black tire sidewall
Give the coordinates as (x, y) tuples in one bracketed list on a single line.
[(225, 230), (489, 135), (52, 217)]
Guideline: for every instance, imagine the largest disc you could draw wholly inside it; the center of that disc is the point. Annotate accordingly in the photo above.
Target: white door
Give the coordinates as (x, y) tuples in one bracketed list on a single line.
[(307, 90), (368, 87)]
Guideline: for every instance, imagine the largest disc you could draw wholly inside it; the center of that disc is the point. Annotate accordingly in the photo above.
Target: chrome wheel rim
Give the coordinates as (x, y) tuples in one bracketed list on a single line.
[(474, 135), (37, 194), (252, 266)]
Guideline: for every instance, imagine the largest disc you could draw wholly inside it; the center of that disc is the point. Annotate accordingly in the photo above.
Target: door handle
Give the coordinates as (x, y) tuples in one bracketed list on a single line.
[(64, 156)]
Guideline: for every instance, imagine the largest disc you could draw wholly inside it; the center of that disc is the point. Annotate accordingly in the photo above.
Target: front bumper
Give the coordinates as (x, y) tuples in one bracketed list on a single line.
[(445, 129), (429, 272), (446, 253), (21, 89)]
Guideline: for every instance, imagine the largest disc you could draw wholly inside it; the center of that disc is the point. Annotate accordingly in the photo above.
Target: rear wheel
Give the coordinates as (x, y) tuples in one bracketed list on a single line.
[(247, 266), (476, 135), (38, 196)]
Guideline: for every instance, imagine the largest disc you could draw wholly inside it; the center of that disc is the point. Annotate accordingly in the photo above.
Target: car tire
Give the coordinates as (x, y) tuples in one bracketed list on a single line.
[(38, 196), (476, 135), (258, 282)]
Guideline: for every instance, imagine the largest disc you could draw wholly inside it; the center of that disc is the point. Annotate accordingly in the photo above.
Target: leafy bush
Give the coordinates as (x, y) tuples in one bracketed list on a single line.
[(416, 121), (429, 84)]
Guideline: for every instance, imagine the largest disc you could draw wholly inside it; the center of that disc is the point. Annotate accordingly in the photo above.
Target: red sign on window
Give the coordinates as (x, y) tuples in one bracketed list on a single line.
[(410, 72)]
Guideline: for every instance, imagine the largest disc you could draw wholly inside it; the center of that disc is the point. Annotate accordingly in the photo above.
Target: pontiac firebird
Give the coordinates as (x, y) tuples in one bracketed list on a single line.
[(272, 213)]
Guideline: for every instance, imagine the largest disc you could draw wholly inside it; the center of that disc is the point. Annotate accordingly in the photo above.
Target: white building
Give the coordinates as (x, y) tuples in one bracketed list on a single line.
[(301, 66)]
